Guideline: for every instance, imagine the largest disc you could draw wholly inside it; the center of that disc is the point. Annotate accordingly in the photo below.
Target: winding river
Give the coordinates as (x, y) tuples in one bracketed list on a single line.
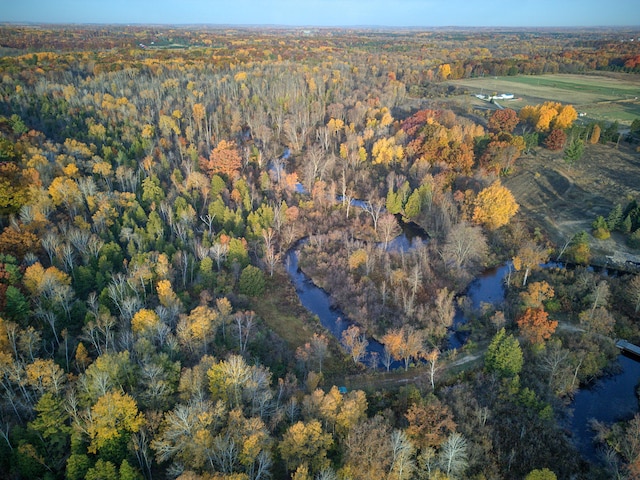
[(608, 400)]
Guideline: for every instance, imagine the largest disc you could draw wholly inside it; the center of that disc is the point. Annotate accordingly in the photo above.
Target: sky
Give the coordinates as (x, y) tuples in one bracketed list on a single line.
[(389, 13)]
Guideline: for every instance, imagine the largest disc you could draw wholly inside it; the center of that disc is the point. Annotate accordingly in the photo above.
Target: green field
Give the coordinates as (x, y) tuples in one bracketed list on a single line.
[(600, 97)]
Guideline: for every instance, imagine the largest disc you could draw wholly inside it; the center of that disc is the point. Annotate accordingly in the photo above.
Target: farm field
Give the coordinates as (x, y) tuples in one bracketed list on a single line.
[(603, 98)]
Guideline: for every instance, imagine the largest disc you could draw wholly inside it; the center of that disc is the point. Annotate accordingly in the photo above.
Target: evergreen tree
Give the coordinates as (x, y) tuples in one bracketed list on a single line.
[(504, 355)]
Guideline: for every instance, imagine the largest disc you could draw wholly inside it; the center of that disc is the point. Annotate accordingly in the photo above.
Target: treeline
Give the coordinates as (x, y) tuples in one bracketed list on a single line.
[(413, 56)]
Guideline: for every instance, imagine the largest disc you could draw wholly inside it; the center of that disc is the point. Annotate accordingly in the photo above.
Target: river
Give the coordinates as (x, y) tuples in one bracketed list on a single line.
[(608, 400), (488, 287)]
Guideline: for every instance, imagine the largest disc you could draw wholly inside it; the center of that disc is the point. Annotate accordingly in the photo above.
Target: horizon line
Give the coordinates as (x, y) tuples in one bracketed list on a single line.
[(298, 26)]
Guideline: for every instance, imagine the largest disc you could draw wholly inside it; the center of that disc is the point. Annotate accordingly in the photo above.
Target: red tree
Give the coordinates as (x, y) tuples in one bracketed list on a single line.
[(556, 140), (503, 121)]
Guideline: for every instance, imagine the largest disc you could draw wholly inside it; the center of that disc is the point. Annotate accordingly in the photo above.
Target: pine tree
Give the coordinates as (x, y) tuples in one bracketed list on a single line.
[(574, 151)]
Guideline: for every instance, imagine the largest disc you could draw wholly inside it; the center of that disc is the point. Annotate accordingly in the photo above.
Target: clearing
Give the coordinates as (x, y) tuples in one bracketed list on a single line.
[(563, 200), (604, 97)]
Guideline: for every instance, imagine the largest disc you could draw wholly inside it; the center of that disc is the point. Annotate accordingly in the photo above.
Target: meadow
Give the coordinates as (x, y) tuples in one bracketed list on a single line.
[(614, 97)]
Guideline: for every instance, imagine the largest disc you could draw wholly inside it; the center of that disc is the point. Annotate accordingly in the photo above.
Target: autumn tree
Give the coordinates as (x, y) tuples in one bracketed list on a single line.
[(556, 140), (355, 342), (404, 344), (549, 115), (114, 418), (494, 206), (368, 449), (536, 294), (224, 159), (541, 474), (196, 330), (530, 256), (305, 444), (504, 120), (536, 326), (14, 188), (595, 134), (430, 422)]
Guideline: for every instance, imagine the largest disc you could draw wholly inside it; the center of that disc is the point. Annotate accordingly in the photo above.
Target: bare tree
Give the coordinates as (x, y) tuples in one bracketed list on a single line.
[(388, 228), (244, 323), (444, 308), (432, 359), (453, 455), (270, 256), (219, 253), (374, 207), (464, 246), (402, 463)]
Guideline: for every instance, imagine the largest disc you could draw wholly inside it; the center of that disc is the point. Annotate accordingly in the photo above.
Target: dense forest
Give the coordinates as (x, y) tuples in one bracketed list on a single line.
[(153, 182)]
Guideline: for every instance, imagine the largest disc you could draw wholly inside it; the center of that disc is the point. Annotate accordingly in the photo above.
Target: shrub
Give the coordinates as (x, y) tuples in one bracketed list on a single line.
[(600, 228)]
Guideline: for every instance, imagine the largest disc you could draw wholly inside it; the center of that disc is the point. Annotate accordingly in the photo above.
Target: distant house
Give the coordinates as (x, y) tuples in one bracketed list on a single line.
[(502, 96)]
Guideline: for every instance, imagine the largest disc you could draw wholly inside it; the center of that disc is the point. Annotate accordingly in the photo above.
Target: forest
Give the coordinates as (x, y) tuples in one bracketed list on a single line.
[(153, 184)]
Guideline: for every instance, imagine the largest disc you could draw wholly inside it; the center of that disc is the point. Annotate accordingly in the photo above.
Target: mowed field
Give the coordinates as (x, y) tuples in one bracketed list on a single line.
[(600, 97)]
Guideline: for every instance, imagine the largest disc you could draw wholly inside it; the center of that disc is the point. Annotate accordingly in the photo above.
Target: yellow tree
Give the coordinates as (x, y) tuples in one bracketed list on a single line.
[(494, 206), (39, 280), (385, 151), (529, 257), (546, 114), (306, 444), (444, 71), (64, 190), (536, 294), (45, 376), (196, 329), (145, 321), (114, 418), (565, 117), (166, 295)]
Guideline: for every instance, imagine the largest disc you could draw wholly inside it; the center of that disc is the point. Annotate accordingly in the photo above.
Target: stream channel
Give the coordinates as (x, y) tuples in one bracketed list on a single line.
[(608, 400)]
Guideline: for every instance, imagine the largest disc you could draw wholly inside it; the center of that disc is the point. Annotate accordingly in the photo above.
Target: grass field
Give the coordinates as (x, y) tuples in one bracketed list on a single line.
[(600, 97)]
